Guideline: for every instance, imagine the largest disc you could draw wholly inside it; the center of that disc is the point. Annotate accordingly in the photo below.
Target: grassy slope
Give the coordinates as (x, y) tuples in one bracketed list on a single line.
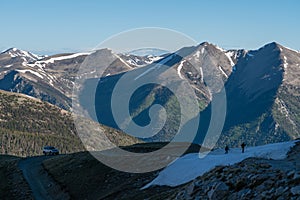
[(84, 177), (275, 124), (28, 124)]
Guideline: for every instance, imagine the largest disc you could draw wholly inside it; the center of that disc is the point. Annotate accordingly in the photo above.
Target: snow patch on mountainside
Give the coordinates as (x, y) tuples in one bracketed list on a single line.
[(52, 60), (197, 54), (153, 59), (8, 66), (219, 48), (30, 71), (162, 62), (201, 74), (179, 68), (134, 62), (141, 61), (285, 64), (191, 166), (229, 55), (220, 68), (250, 54), (125, 63)]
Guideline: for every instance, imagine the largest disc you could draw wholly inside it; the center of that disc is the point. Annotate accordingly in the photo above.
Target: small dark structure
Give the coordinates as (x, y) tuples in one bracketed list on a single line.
[(226, 149), (243, 147)]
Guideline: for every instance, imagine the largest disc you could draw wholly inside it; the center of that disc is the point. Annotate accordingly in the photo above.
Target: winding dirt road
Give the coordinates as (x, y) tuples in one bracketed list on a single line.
[(42, 185)]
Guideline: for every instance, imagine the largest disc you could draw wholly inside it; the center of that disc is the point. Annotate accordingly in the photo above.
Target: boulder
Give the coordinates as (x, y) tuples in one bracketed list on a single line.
[(295, 190)]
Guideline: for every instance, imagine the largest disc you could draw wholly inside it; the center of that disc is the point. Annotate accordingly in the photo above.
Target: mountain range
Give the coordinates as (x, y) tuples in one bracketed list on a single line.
[(262, 87)]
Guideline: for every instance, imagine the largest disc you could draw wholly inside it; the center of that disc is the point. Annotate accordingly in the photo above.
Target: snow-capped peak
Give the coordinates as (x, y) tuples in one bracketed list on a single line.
[(28, 56)]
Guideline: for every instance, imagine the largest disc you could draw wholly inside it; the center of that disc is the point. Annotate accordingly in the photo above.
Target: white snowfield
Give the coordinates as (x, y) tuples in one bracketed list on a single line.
[(190, 166), (179, 68), (52, 60)]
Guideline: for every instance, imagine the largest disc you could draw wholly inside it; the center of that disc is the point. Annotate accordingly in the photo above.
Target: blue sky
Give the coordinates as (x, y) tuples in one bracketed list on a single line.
[(65, 25)]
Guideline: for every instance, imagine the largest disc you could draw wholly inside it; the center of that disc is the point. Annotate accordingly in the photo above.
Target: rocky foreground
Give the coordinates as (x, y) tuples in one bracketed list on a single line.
[(252, 178)]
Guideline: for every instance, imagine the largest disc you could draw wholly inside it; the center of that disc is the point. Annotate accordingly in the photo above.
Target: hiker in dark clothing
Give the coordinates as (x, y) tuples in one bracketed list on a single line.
[(243, 147), (226, 149)]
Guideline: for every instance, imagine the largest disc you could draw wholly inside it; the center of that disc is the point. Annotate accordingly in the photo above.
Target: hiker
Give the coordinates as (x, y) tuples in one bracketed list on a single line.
[(243, 147), (226, 149)]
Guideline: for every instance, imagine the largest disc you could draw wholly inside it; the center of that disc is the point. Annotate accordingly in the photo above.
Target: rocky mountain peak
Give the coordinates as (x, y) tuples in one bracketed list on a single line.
[(25, 55)]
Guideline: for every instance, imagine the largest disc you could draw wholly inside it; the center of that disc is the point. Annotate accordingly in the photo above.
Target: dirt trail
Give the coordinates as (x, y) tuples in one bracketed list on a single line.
[(42, 185)]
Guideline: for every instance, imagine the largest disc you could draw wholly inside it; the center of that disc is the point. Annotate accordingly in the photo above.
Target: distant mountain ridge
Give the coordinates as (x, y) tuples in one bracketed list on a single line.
[(52, 78), (262, 86), (148, 52)]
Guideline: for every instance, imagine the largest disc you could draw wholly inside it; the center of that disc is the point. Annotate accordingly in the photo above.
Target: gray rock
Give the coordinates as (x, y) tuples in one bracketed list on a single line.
[(242, 182), (244, 193), (258, 179), (290, 173), (296, 176), (279, 191), (190, 189), (218, 191), (180, 195), (250, 176), (272, 191), (198, 183), (264, 194), (295, 190)]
